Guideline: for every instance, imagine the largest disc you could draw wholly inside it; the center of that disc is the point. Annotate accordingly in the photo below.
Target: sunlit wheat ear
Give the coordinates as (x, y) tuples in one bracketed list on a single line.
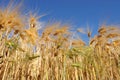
[(102, 30), (33, 20), (112, 28), (100, 37), (112, 35), (29, 35), (92, 41), (108, 44), (97, 45), (10, 18), (116, 43), (107, 47), (98, 40), (61, 30), (77, 43), (32, 35), (49, 29)]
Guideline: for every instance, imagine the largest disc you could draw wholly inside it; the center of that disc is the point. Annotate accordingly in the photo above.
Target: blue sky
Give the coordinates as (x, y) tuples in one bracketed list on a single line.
[(77, 13)]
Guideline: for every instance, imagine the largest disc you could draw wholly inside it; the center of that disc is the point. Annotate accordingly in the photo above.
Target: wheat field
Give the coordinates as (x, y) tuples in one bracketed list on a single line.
[(53, 53)]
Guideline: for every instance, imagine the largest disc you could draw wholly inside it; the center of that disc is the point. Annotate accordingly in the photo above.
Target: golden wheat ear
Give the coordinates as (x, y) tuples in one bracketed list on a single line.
[(11, 18), (34, 19), (102, 30)]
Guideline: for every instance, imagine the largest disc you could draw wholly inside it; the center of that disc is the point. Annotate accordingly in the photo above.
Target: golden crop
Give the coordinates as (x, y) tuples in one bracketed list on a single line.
[(55, 54)]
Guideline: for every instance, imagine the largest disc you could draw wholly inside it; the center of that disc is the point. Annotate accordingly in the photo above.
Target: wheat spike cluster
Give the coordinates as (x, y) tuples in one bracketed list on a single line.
[(53, 53)]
